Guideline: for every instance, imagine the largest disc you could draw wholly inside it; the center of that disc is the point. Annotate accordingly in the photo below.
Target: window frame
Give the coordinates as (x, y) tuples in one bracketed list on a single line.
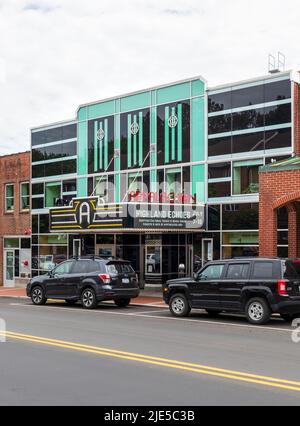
[(24, 196), (11, 197)]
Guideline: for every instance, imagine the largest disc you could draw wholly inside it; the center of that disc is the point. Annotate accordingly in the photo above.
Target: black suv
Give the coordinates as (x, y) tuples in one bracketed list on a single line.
[(257, 287), (90, 280)]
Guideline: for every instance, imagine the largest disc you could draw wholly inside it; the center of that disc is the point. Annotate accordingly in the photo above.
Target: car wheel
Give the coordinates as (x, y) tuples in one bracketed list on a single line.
[(88, 299), (38, 296), (179, 305), (213, 313), (71, 302), (258, 311), (122, 303)]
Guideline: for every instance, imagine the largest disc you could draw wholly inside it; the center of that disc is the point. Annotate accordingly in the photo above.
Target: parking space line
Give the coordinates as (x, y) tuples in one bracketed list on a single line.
[(159, 317)]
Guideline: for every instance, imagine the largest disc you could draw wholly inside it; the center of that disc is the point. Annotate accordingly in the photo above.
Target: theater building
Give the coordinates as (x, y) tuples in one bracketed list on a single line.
[(164, 177), (15, 228)]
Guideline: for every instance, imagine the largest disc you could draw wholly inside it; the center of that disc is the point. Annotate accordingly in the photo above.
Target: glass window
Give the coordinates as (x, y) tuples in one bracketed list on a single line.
[(11, 243), (81, 267), (248, 119), (69, 149), (69, 167), (212, 272), (173, 181), (214, 218), (37, 203), (278, 114), (9, 197), (95, 266), (240, 216), (52, 152), (246, 177), (101, 145), (25, 243), (25, 199), (283, 218), (37, 189), (53, 193), (238, 271), (219, 102), (37, 154), (70, 185), (38, 171), (219, 189), (63, 268), (135, 184), (35, 224), (240, 238), (101, 187), (219, 124), (291, 269), (234, 252), (53, 169), (277, 91), (52, 135), (248, 96), (219, 170), (280, 138), (219, 146), (44, 224), (248, 143), (263, 270)]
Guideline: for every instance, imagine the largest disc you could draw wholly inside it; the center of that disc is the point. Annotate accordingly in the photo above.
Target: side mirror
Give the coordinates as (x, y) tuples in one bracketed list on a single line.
[(196, 276)]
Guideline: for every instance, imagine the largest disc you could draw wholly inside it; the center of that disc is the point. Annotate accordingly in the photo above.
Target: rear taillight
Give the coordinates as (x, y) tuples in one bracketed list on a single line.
[(282, 287), (105, 278)]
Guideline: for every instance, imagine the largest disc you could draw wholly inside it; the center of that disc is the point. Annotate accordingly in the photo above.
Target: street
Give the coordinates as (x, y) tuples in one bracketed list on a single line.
[(57, 355)]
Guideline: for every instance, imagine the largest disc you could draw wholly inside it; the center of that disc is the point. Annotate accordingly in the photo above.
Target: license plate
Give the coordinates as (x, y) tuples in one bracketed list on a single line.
[(125, 280)]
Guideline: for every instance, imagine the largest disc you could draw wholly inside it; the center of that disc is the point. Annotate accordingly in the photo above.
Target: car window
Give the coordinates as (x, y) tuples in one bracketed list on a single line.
[(81, 267), (93, 266), (237, 271), (119, 268), (212, 272), (263, 270), (291, 269), (63, 268)]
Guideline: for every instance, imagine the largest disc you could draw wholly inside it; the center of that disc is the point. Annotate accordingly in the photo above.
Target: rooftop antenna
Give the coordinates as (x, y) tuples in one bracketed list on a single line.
[(276, 65)]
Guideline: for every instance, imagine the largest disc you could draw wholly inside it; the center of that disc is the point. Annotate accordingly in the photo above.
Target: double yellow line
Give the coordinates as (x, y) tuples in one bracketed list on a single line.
[(162, 362)]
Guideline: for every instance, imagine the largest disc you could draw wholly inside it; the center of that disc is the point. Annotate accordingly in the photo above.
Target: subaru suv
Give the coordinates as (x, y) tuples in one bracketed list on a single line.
[(256, 287), (90, 280)]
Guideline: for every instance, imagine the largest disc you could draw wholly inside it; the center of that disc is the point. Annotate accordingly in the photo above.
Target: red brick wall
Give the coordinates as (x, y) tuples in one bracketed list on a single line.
[(276, 190), (13, 169)]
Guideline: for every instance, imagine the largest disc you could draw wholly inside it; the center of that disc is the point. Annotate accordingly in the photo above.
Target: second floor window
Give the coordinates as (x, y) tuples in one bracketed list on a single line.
[(25, 200), (9, 198)]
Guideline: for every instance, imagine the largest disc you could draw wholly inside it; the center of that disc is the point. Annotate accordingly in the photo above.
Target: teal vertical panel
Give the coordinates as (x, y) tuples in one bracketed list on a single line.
[(95, 146), (173, 136), (198, 182), (82, 187), (117, 160), (179, 135), (141, 131), (106, 143), (153, 155), (82, 158), (134, 143), (129, 140), (198, 129), (167, 146), (101, 148)]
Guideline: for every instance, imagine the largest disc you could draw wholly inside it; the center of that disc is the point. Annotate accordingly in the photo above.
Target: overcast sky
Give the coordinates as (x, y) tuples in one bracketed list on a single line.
[(57, 54)]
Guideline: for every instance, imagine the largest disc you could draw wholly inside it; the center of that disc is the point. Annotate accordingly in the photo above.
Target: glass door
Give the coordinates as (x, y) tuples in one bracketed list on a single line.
[(207, 250), (9, 265), (153, 264)]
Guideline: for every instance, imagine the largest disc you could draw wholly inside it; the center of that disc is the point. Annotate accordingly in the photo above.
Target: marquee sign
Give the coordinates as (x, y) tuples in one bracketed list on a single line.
[(92, 214)]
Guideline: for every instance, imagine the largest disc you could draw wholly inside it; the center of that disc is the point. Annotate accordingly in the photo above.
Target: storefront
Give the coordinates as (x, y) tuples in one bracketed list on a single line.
[(174, 145)]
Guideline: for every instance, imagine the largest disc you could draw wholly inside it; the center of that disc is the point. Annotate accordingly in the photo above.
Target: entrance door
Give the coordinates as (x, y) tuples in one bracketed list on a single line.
[(9, 267), (153, 264), (77, 248), (106, 250), (207, 250)]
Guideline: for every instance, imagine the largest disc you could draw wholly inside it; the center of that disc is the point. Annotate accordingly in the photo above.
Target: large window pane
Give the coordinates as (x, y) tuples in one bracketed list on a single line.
[(214, 218), (219, 170), (219, 189), (9, 197), (219, 102), (53, 193), (248, 96), (219, 124), (248, 119), (277, 91), (246, 177), (240, 238), (25, 200), (234, 252), (280, 138), (248, 143), (219, 146), (240, 216), (278, 114)]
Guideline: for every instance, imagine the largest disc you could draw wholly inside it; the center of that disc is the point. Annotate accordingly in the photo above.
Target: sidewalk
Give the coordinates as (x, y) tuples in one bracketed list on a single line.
[(145, 299)]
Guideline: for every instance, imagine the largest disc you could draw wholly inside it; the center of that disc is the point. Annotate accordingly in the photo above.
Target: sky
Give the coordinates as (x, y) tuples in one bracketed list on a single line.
[(58, 54)]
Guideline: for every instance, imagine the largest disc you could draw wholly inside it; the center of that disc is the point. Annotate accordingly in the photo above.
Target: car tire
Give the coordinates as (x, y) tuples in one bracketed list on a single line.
[(289, 317), (88, 299), (179, 305), (122, 303), (38, 296), (70, 302), (213, 313), (258, 311)]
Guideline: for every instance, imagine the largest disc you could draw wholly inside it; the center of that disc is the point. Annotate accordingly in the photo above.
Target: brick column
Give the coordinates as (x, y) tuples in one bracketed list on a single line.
[(267, 230), (293, 219)]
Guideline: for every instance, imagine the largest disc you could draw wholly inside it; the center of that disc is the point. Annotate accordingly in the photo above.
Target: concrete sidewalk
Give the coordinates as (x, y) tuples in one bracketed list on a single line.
[(145, 299)]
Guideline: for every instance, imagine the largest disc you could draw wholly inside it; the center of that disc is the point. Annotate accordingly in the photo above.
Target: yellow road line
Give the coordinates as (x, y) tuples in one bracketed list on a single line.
[(164, 362)]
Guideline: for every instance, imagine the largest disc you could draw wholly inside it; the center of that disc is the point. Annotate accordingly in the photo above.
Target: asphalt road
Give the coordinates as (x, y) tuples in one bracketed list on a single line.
[(143, 356)]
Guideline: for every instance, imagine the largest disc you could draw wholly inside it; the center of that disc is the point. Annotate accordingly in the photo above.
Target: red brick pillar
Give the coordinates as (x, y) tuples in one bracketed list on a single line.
[(267, 230)]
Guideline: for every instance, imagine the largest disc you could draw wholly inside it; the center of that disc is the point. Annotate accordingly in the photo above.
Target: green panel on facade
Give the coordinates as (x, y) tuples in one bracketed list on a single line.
[(82, 187), (198, 182), (139, 101), (198, 88), (173, 93), (198, 129), (82, 114), (100, 110), (82, 151)]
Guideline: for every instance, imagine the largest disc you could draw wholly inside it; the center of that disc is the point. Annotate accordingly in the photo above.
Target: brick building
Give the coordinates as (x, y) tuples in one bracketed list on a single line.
[(15, 241)]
